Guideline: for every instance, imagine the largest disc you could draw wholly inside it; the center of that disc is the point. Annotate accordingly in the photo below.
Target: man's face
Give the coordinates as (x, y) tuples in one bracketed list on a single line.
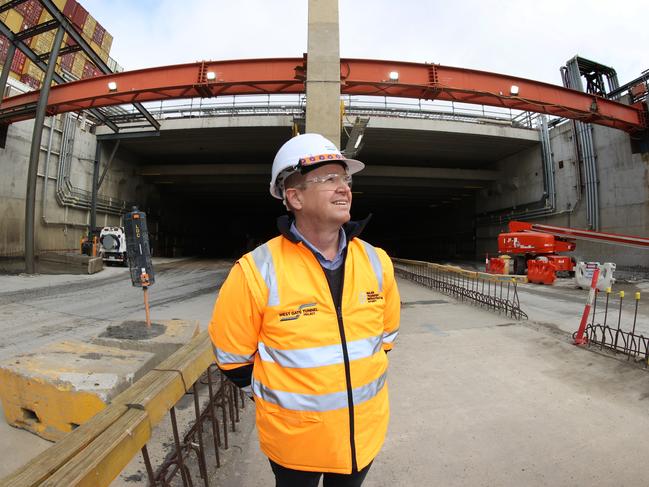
[(322, 200)]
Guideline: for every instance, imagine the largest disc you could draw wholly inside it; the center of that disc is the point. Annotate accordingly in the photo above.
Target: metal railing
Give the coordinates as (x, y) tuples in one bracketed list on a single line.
[(294, 105), (491, 292), (96, 452), (613, 337)]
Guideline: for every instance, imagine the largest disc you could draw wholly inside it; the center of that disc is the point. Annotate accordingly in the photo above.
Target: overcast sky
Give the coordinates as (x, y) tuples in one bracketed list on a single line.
[(525, 38)]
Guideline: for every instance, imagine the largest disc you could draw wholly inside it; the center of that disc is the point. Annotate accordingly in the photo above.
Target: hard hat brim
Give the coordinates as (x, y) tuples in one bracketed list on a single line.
[(354, 166)]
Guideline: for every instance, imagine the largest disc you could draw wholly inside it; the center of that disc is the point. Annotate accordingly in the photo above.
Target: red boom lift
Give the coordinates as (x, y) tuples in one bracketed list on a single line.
[(526, 241)]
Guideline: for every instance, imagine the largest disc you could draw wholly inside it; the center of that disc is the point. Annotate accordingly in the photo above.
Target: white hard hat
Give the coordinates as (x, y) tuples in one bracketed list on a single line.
[(302, 152)]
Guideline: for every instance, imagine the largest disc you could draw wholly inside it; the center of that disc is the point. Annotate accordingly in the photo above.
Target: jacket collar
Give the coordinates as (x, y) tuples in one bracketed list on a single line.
[(351, 228)]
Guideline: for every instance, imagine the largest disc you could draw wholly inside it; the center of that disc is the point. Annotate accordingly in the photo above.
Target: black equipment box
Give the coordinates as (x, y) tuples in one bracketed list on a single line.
[(137, 247)]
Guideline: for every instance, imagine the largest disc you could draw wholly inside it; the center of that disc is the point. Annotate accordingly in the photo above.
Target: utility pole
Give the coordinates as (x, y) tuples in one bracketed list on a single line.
[(323, 70)]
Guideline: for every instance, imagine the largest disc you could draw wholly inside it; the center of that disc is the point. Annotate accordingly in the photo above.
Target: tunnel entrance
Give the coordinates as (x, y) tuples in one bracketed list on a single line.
[(420, 184)]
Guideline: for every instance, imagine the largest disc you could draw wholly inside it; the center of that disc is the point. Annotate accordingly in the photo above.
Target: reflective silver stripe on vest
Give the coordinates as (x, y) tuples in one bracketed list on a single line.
[(390, 337), (318, 402), (232, 358), (264, 262), (376, 263), (305, 358)]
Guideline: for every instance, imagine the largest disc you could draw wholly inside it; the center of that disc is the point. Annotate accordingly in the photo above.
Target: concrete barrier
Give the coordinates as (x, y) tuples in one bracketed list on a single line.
[(162, 339), (53, 390), (68, 263), (96, 452)]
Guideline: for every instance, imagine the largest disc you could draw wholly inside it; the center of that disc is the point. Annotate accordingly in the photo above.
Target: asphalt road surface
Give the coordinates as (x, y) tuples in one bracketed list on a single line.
[(41, 309)]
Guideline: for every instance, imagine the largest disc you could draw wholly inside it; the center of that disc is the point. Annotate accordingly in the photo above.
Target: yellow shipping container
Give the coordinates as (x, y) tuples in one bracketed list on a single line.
[(14, 21), (45, 16), (60, 4), (107, 43), (89, 27), (43, 43), (34, 71), (104, 56), (78, 64)]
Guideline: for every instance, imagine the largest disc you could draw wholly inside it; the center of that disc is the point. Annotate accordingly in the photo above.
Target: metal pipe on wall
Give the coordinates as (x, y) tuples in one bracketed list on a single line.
[(95, 186)]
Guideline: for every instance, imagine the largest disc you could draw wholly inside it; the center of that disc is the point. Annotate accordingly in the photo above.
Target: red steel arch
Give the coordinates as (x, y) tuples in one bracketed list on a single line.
[(358, 77)]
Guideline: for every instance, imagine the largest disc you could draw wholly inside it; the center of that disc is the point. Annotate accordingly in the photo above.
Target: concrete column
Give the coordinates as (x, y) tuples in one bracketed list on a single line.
[(323, 70)]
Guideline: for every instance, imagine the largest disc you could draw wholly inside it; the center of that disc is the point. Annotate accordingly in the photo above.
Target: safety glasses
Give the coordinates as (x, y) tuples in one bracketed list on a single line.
[(329, 181)]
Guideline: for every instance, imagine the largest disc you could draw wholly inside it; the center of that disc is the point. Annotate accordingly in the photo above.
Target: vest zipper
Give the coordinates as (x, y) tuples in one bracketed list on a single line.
[(348, 374), (348, 379), (343, 341)]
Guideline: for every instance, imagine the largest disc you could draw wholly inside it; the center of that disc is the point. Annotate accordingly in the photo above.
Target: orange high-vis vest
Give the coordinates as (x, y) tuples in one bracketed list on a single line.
[(319, 375)]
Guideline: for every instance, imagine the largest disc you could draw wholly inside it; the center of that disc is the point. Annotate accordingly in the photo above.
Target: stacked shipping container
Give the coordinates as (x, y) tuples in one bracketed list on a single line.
[(32, 13)]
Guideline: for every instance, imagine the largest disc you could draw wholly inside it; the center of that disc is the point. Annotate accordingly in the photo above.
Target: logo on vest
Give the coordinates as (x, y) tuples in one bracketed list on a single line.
[(308, 309), (369, 297)]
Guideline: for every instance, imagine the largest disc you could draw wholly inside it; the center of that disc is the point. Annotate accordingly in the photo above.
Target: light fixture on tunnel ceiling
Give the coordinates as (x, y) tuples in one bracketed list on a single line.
[(513, 90), (112, 86), (394, 75), (210, 75), (358, 141)]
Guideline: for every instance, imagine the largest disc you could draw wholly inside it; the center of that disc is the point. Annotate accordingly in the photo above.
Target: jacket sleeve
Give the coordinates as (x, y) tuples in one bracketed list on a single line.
[(234, 328), (392, 309)]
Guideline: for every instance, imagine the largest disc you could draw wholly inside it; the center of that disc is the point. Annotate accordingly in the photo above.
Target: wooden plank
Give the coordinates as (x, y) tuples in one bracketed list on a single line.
[(159, 396), (158, 390), (44, 465), (106, 456)]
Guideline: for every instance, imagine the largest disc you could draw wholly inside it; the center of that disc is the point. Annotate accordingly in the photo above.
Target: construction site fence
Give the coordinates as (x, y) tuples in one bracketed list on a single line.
[(611, 331), (496, 293), (96, 452)]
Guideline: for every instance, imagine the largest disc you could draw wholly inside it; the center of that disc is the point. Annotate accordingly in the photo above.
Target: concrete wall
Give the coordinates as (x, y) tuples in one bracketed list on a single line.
[(623, 194), (58, 227)]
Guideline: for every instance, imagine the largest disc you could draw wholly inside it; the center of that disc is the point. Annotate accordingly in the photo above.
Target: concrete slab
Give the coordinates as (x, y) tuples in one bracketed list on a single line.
[(53, 390), (162, 339), (68, 263)]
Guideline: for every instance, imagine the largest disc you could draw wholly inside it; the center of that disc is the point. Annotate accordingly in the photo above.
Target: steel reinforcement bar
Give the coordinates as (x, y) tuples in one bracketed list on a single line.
[(612, 336), (96, 452), (492, 292)]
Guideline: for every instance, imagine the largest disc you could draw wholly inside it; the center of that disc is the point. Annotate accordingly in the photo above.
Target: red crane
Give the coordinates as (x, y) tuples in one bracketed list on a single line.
[(526, 241)]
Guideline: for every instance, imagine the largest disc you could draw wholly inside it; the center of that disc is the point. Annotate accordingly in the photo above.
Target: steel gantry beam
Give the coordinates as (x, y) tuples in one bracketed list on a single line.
[(358, 77)]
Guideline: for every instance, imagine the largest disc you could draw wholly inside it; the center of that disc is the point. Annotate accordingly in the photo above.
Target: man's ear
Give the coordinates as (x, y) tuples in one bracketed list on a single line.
[(294, 199)]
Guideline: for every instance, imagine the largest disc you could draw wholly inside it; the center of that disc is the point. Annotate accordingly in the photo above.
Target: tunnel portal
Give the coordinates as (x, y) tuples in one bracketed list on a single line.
[(210, 177)]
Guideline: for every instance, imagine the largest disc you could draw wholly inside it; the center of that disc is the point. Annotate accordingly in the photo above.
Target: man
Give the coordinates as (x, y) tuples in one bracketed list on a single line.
[(304, 322)]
